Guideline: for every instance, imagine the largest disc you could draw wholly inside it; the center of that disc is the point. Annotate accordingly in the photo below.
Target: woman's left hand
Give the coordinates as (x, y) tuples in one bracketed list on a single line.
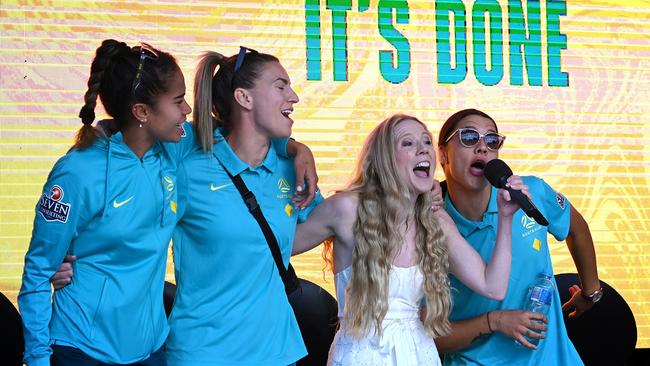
[(507, 206), (577, 303)]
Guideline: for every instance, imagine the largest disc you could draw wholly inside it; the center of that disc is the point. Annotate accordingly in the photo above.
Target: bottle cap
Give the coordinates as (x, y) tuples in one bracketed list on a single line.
[(548, 271)]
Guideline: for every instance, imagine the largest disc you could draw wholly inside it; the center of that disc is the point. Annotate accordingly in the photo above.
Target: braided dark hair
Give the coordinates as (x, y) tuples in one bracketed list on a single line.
[(111, 78)]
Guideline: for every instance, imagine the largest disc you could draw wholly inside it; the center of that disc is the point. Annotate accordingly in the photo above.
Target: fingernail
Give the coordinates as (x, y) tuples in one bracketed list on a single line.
[(299, 188)]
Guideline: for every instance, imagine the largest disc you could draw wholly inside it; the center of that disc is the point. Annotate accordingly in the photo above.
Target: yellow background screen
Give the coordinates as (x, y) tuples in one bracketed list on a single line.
[(569, 87)]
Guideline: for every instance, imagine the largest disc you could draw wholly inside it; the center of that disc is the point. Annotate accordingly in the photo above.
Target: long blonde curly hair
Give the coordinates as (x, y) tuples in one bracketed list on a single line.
[(381, 195)]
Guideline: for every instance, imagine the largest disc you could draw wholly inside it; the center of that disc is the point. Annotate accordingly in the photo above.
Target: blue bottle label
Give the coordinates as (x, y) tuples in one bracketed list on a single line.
[(541, 294)]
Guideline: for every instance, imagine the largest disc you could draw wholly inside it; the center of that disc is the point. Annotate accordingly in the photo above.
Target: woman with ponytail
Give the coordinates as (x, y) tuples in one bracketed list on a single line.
[(392, 252), (230, 306), (111, 202)]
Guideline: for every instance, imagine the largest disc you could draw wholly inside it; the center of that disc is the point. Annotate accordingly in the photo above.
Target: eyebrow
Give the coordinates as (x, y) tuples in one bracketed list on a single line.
[(283, 80), (180, 96), (407, 134)]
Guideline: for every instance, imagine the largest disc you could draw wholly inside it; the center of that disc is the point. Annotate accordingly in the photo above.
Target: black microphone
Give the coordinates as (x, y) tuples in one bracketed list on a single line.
[(497, 173)]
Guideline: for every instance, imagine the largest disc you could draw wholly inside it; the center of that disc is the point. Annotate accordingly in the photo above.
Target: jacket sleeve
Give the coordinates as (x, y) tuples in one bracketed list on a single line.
[(303, 214), (556, 209), (185, 146), (59, 214)]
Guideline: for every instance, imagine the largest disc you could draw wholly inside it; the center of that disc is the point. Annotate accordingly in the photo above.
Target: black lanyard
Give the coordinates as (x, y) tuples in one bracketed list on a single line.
[(289, 277)]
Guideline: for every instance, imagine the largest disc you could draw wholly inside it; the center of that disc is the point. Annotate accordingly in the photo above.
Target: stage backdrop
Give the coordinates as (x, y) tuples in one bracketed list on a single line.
[(567, 82)]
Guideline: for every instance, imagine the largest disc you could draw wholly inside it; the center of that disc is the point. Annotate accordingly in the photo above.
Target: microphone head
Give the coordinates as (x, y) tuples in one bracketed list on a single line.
[(496, 172)]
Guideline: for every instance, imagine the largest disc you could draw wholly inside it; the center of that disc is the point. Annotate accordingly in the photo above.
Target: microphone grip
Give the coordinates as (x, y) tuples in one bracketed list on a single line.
[(527, 205)]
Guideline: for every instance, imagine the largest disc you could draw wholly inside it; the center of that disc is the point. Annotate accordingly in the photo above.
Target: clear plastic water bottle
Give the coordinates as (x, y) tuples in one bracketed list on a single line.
[(540, 295)]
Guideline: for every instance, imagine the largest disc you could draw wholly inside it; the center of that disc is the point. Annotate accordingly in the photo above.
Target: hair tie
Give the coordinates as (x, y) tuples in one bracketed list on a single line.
[(87, 115)]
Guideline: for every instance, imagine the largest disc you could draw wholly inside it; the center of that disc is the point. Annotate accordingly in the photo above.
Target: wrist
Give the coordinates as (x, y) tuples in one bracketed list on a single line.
[(489, 323), (594, 296), (505, 216), (589, 286)]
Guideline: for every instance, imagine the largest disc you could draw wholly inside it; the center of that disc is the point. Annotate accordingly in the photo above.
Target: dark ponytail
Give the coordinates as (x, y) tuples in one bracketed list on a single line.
[(223, 84)]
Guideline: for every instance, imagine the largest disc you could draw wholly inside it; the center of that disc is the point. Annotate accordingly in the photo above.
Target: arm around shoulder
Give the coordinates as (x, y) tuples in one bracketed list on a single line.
[(322, 222)]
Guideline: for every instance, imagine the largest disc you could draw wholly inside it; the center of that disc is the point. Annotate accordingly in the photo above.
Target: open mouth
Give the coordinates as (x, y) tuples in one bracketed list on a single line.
[(286, 112), (422, 169), (477, 167)]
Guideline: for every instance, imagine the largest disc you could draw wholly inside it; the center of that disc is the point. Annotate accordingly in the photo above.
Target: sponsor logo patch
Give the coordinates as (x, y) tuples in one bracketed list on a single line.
[(561, 201), (52, 208)]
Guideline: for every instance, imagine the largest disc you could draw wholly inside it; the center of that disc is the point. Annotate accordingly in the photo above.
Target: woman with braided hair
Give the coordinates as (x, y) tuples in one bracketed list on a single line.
[(242, 118), (111, 202)]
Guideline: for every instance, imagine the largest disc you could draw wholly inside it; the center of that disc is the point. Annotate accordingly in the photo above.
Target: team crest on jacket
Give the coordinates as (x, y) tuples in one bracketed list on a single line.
[(561, 201), (52, 207), (168, 184), (283, 185)]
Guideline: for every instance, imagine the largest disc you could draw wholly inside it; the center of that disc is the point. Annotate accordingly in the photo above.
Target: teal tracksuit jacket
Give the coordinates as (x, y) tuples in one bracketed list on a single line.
[(116, 213)]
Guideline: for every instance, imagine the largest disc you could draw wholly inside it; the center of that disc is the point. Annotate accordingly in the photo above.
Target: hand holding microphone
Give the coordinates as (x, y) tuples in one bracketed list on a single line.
[(497, 173)]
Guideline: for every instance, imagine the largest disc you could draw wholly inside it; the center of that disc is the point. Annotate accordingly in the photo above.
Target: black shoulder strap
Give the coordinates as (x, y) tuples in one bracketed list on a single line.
[(289, 277)]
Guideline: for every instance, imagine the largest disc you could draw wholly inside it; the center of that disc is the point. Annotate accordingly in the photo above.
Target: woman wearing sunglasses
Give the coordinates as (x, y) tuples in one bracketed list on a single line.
[(391, 250), (111, 202), (484, 331), (230, 306)]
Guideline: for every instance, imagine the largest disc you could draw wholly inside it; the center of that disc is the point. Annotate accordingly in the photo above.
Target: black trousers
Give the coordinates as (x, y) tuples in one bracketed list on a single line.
[(70, 356)]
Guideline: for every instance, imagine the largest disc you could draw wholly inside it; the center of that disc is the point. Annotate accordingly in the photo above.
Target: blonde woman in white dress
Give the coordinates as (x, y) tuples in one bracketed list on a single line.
[(392, 252)]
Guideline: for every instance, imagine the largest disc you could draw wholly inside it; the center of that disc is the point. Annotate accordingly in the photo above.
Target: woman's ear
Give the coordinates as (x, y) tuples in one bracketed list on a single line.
[(140, 111), (243, 98), (442, 155)]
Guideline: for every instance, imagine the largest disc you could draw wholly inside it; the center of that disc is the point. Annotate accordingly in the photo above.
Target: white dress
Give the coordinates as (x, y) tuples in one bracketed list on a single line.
[(404, 341)]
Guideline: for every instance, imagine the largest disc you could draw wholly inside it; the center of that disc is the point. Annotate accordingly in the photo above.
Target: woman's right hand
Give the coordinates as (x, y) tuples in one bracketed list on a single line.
[(507, 206), (519, 324), (63, 275)]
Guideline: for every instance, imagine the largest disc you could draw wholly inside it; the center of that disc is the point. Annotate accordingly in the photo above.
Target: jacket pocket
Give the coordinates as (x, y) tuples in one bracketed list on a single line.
[(99, 306)]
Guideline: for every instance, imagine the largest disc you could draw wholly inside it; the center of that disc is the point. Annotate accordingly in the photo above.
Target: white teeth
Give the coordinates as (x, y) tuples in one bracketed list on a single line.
[(423, 164), (286, 112)]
